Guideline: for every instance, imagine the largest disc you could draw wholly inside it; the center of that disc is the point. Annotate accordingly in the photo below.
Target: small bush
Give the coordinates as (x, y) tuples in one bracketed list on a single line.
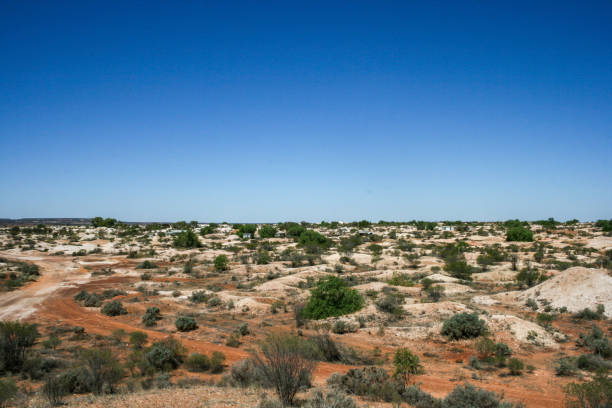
[(464, 396), (588, 314), (519, 234), (590, 362), (216, 362), (596, 393), (464, 326), (138, 339), (103, 368), (15, 339), (185, 323), (8, 391), (332, 297), (221, 263), (333, 399), (113, 308), (565, 367), (54, 390), (283, 365), (198, 363), (515, 366), (165, 355), (151, 316)]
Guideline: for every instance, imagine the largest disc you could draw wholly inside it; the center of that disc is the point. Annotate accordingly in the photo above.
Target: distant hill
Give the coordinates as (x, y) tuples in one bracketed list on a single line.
[(45, 221)]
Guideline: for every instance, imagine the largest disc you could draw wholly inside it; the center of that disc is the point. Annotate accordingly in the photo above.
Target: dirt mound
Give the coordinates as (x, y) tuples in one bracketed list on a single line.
[(521, 330), (575, 288)]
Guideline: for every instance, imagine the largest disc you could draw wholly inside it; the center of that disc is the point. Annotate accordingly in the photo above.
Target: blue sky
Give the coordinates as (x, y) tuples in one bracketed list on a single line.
[(273, 111)]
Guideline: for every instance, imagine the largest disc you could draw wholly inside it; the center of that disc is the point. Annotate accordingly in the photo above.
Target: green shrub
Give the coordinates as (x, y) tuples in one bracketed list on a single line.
[(54, 390), (371, 382), (76, 380), (113, 308), (333, 399), (565, 367), (459, 269), (221, 263), (216, 362), (165, 355), (519, 234), (15, 339), (515, 366), (332, 297), (185, 323), (198, 362), (468, 396), (8, 391), (151, 316), (596, 393), (198, 296), (588, 314), (406, 364), (283, 366), (594, 363), (400, 279), (186, 239), (103, 368), (313, 241), (391, 303), (464, 326), (146, 265), (138, 339)]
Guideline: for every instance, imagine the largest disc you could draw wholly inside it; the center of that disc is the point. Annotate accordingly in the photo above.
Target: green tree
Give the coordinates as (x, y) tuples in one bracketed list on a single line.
[(406, 364), (187, 239), (267, 231)]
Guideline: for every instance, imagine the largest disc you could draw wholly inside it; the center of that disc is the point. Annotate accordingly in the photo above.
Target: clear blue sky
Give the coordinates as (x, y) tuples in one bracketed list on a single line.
[(272, 111)]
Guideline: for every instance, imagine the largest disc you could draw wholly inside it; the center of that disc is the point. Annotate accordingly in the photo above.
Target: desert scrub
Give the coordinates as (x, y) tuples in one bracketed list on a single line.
[(113, 308), (185, 323), (464, 326)]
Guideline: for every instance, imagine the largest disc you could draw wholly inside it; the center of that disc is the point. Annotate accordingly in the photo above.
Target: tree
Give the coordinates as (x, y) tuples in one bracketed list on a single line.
[(138, 339), (267, 231), (15, 339), (332, 297), (187, 239), (313, 240), (221, 263), (246, 229), (283, 365), (406, 364), (103, 222)]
